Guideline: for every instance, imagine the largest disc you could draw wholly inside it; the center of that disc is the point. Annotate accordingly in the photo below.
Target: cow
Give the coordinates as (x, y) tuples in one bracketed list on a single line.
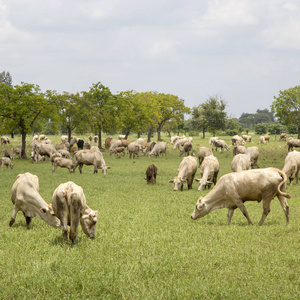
[(5, 140), (239, 149), (237, 140), (64, 163), (26, 198), (212, 139), (134, 149), (149, 147), (179, 143), (187, 149), (247, 138), (267, 138), (125, 143), (95, 138), (159, 148), (69, 205), (252, 153), (108, 142), (291, 143), (64, 153), (6, 161), (142, 142), (43, 150), (203, 152), (115, 144), (209, 172), (90, 157), (240, 162), (118, 150), (80, 144), (6, 154), (220, 144), (186, 173), (282, 137), (151, 173), (233, 189), (16, 151), (262, 140), (292, 166)]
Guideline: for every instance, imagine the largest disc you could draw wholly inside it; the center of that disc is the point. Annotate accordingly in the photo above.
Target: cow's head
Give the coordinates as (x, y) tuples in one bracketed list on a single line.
[(104, 169), (200, 209), (88, 222), (178, 183), (203, 184), (47, 214)]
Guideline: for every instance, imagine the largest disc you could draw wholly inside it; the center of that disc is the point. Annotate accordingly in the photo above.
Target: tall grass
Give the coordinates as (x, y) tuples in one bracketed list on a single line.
[(146, 245)]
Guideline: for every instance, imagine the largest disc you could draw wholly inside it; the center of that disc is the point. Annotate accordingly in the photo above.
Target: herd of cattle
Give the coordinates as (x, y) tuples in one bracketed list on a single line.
[(69, 208)]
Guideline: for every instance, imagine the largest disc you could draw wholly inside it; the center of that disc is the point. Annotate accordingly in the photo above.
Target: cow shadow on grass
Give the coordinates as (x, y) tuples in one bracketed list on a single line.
[(58, 241)]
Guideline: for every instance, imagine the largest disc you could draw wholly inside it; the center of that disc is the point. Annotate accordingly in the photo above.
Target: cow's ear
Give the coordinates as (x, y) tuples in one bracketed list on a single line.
[(171, 181), (197, 179), (183, 180), (44, 210), (108, 167)]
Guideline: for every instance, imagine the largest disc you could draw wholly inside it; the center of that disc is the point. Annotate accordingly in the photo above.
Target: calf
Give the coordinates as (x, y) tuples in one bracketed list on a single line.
[(220, 144), (209, 172), (69, 205), (186, 173), (64, 163), (26, 198), (151, 173), (117, 150), (16, 151), (233, 189), (187, 149)]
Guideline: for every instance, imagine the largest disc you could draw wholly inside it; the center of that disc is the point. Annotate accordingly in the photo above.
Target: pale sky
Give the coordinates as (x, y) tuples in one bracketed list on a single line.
[(242, 50)]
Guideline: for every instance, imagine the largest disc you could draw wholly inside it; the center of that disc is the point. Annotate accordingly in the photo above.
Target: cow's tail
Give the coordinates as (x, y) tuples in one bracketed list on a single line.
[(283, 175)]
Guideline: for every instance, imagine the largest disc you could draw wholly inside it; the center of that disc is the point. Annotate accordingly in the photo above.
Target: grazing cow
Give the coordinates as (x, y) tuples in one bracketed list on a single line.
[(187, 149), (43, 150), (142, 142), (240, 162), (262, 140), (203, 152), (16, 151), (212, 139), (237, 140), (209, 172), (246, 138), (173, 139), (53, 156), (6, 154), (159, 148), (5, 140), (69, 205), (134, 149), (267, 138), (125, 143), (64, 163), (5, 161), (87, 145), (292, 166), (233, 189), (117, 150), (239, 149), (220, 144), (282, 137), (252, 153), (95, 138), (151, 173), (90, 138), (149, 147), (64, 138), (90, 157), (115, 144), (64, 153), (291, 143), (26, 198), (179, 143), (186, 173)]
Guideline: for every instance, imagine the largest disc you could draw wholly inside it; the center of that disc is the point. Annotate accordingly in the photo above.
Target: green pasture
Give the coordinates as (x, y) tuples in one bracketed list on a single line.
[(147, 246)]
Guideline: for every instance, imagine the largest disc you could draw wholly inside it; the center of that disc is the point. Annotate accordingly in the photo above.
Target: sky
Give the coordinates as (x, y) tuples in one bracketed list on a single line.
[(243, 51)]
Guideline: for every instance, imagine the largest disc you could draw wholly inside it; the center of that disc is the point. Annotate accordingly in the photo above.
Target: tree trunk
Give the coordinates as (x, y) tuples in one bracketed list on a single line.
[(149, 135), (23, 152), (69, 134), (100, 138), (203, 133)]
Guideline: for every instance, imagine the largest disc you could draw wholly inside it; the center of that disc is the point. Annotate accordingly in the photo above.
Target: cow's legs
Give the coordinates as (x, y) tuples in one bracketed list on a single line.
[(242, 207), (266, 210), (13, 217), (28, 221), (75, 216), (230, 214), (285, 207)]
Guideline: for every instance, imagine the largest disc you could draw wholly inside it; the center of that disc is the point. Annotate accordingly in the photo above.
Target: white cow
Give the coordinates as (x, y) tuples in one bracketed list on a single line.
[(26, 198), (292, 166), (233, 189), (186, 173), (240, 162), (69, 205)]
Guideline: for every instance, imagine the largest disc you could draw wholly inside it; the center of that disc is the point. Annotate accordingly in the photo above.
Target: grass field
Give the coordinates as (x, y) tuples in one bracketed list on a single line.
[(146, 245)]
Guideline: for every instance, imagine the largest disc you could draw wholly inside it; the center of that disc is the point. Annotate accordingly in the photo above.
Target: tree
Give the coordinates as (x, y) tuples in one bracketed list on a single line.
[(198, 122), (287, 107), (213, 114), (261, 128), (102, 107), (22, 106), (5, 78)]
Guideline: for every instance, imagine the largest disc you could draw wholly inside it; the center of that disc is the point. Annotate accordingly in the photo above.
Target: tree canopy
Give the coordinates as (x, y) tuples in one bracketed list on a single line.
[(287, 107)]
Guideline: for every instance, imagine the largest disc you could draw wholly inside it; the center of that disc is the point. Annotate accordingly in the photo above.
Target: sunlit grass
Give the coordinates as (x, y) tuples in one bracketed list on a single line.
[(146, 245)]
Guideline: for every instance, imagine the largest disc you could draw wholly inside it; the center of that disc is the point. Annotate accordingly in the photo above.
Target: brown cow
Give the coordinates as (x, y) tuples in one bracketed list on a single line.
[(151, 173)]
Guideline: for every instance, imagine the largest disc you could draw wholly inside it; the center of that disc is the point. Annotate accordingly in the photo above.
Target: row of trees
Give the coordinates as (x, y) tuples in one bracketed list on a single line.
[(25, 109)]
